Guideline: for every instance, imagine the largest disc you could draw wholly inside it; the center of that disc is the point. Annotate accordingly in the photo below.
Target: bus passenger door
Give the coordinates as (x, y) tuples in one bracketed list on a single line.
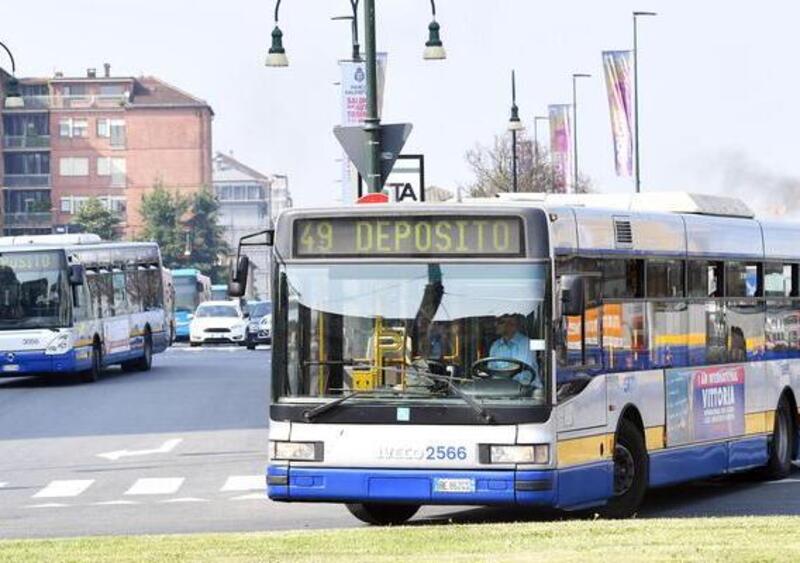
[(584, 447)]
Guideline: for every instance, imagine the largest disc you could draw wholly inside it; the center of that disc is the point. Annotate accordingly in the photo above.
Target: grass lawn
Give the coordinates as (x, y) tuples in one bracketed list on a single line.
[(691, 539)]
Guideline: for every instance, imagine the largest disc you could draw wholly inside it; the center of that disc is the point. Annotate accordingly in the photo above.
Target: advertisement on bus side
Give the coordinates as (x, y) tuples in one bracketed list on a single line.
[(704, 404)]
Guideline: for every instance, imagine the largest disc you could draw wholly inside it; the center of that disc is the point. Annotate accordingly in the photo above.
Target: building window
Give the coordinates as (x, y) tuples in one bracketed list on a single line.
[(114, 167), (117, 132), (66, 205), (73, 128), (74, 166), (103, 128)]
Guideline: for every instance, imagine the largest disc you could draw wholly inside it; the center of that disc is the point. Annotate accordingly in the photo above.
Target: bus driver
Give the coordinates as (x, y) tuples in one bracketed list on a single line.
[(513, 344)]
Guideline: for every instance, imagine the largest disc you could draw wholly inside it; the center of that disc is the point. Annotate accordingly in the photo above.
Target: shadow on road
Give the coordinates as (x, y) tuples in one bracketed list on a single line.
[(745, 494)]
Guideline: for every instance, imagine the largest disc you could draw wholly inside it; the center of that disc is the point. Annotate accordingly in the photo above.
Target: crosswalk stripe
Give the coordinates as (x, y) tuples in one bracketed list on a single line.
[(2, 484), (64, 489), (237, 483), (48, 505), (115, 503), (156, 486), (183, 499), (251, 496)]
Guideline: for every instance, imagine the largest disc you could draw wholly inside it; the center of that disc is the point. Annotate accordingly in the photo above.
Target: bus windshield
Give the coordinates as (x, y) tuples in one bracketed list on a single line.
[(33, 290), (186, 295), (414, 331)]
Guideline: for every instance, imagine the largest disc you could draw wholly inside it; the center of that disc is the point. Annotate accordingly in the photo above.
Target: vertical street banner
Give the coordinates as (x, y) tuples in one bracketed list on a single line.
[(354, 111), (561, 144), (704, 404), (617, 70)]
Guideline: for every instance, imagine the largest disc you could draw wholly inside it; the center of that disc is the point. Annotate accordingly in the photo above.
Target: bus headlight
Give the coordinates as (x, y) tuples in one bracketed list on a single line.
[(533, 453), (61, 344), (296, 451)]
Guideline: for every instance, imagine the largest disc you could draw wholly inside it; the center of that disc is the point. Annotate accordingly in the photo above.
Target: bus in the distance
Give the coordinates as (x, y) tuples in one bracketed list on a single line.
[(219, 292), (74, 304), (191, 289), (529, 351)]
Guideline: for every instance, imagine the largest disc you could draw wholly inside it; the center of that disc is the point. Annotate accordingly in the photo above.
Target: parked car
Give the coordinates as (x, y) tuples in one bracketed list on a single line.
[(218, 322), (259, 327)]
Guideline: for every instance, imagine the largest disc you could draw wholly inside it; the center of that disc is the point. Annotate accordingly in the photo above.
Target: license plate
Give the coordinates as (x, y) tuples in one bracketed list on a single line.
[(11, 368), (454, 485)]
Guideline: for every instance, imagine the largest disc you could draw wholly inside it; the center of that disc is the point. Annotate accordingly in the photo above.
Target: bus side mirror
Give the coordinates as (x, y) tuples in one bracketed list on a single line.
[(238, 284), (572, 296), (77, 275)]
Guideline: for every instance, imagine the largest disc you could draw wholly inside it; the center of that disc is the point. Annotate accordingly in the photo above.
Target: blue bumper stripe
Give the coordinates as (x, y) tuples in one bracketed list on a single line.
[(411, 486), (38, 362)]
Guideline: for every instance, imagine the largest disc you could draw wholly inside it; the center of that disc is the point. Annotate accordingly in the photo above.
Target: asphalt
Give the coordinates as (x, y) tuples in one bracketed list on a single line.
[(182, 449)]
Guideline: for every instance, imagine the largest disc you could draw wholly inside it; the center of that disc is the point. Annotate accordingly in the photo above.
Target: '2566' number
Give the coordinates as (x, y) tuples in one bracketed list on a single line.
[(448, 452)]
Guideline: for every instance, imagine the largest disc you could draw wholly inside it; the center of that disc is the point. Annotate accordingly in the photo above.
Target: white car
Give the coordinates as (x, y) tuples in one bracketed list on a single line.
[(218, 322)]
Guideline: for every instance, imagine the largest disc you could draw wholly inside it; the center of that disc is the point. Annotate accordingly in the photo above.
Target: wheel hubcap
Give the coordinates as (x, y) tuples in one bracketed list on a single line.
[(624, 470)]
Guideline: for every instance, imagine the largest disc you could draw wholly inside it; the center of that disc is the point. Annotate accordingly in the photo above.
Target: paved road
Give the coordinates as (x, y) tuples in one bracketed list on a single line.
[(182, 449)]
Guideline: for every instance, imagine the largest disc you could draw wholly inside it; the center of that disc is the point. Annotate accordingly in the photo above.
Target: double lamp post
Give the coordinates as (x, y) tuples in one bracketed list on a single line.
[(434, 50)]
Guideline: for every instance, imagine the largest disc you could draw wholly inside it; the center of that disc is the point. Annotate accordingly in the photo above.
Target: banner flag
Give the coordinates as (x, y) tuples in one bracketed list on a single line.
[(617, 69), (354, 112), (561, 145)]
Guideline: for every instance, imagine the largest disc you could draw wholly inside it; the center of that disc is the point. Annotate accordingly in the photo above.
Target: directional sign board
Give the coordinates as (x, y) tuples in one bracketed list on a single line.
[(354, 140), (406, 183)]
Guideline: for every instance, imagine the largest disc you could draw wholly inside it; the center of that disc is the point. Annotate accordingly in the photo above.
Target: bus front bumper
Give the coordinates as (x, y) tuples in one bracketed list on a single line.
[(36, 361), (413, 486)]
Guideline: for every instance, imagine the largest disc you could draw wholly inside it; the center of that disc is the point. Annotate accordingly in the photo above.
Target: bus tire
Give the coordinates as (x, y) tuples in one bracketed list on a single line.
[(630, 472), (779, 465), (146, 361), (93, 373), (380, 514)]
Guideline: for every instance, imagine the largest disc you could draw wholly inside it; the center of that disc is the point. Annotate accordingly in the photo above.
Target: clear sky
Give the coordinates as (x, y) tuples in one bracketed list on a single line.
[(718, 80)]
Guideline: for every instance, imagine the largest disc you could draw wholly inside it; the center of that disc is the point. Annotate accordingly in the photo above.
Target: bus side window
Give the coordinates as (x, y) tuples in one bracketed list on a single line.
[(119, 296), (133, 290)]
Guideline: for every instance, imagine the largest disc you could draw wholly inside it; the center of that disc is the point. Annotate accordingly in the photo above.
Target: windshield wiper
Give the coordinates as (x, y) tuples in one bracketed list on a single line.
[(484, 415), (310, 415)]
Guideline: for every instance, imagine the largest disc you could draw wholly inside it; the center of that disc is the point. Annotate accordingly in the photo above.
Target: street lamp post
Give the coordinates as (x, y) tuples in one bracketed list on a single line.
[(575, 129), (536, 121), (514, 125), (636, 96), (356, 56), (13, 99), (372, 123)]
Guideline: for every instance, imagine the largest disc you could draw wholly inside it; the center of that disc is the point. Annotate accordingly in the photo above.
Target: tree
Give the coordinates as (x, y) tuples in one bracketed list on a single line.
[(206, 235), (493, 172), (162, 214), (94, 217)]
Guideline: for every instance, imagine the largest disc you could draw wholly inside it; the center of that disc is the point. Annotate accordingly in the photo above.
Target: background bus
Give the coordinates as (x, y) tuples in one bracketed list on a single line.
[(530, 351), (76, 308), (191, 289), (219, 292)]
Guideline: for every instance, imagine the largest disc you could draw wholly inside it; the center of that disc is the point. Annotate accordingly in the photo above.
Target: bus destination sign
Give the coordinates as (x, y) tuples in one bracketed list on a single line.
[(415, 236)]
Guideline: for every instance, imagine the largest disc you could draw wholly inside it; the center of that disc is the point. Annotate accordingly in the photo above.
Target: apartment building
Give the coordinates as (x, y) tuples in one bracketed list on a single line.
[(249, 201), (108, 137)]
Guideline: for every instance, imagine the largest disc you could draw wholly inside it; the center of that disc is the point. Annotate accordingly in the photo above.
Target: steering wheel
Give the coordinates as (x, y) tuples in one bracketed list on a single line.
[(483, 368)]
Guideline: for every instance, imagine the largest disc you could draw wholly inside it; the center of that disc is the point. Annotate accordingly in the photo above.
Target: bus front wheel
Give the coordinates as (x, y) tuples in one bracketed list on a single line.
[(379, 514), (630, 472), (93, 373)]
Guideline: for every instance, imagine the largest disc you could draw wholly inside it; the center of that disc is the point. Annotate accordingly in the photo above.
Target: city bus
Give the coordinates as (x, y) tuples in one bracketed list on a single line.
[(219, 292), (528, 351), (191, 289), (73, 304)]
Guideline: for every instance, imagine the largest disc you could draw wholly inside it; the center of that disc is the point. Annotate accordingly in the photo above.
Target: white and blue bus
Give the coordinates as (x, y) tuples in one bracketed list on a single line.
[(530, 351), (191, 288), (73, 304)]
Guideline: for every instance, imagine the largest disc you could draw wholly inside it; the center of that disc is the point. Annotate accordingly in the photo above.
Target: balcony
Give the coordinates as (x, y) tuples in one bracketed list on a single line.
[(39, 219), (26, 181), (26, 141), (89, 101), (40, 103)]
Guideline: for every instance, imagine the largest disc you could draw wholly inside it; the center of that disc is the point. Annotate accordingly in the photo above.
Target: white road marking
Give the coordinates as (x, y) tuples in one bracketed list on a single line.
[(782, 481), (184, 499), (251, 496), (164, 448), (47, 505), (3, 485), (115, 503), (163, 486), (237, 483), (64, 489)]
